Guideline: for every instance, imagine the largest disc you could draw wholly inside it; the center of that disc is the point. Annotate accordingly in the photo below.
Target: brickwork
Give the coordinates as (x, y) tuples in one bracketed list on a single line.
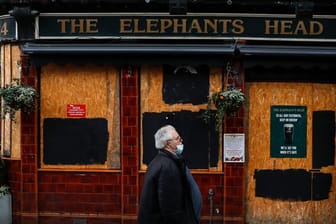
[(234, 173), (79, 192), (129, 144), (29, 157)]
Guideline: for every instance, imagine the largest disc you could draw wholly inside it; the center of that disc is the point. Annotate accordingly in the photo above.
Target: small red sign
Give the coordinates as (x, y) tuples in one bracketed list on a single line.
[(76, 110)]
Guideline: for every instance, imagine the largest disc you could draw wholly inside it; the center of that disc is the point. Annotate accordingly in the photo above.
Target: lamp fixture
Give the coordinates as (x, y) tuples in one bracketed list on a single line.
[(128, 72), (304, 9), (185, 69), (178, 7)]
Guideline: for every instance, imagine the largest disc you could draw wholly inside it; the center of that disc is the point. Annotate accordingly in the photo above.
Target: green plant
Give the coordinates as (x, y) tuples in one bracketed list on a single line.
[(225, 101), (17, 96), (4, 190)]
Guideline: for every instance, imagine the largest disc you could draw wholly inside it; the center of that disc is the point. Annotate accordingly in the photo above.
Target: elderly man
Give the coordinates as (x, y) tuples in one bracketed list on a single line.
[(170, 194)]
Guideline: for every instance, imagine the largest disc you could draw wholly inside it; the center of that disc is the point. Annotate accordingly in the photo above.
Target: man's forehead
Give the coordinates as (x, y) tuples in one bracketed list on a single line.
[(174, 133)]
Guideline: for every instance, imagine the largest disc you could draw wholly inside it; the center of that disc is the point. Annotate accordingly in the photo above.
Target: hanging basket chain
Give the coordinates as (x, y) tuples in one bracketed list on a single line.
[(225, 100)]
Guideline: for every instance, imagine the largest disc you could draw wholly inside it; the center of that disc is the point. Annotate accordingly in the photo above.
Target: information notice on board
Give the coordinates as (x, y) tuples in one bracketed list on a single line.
[(76, 110), (234, 148), (288, 131)]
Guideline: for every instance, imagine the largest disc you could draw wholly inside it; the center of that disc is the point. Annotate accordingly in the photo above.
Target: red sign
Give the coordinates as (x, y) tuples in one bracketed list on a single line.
[(76, 110)]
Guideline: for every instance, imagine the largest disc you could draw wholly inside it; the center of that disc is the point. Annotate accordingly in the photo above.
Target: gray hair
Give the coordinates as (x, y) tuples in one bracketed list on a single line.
[(163, 135)]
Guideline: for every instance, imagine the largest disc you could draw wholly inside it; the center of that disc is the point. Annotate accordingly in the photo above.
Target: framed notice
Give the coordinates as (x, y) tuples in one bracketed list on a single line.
[(234, 148), (288, 131)]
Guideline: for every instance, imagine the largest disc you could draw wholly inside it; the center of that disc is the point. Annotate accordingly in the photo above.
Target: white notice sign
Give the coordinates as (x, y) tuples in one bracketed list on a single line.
[(234, 148)]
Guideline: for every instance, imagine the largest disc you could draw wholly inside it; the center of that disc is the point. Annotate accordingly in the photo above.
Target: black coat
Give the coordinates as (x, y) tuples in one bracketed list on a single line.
[(165, 197)]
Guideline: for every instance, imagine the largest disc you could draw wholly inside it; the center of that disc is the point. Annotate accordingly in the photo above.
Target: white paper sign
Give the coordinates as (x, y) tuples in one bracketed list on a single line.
[(234, 148)]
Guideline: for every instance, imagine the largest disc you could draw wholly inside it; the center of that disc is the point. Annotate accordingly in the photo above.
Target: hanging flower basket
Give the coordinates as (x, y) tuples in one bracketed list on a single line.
[(225, 101), (4, 190), (17, 96)]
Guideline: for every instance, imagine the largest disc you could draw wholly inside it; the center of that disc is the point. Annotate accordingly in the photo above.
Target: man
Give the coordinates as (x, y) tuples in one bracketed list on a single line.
[(170, 194)]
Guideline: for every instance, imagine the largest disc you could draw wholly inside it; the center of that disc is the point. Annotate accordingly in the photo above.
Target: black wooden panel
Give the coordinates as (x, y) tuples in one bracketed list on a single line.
[(201, 146), (323, 138), (292, 184), (321, 185), (289, 69), (185, 84), (75, 141)]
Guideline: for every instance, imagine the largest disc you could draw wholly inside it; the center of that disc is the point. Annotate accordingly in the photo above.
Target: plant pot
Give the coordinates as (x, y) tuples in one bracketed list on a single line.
[(6, 209)]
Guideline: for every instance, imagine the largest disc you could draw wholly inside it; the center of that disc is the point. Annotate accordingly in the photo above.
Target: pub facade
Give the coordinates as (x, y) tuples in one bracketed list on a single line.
[(108, 75)]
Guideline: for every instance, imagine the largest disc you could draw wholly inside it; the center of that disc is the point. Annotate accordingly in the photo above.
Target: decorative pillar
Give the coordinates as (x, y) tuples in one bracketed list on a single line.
[(129, 143), (29, 153)]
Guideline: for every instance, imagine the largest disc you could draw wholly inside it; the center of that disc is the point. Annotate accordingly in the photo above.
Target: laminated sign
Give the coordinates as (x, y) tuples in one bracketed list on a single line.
[(288, 131), (76, 110), (234, 148)]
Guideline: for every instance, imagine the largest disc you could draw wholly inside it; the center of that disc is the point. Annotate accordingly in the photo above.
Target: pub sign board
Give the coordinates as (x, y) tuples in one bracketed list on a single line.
[(7, 28), (190, 26), (224, 26), (288, 131)]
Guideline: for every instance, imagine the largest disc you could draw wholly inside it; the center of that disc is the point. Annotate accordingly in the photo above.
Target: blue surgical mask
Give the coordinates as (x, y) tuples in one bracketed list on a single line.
[(179, 149)]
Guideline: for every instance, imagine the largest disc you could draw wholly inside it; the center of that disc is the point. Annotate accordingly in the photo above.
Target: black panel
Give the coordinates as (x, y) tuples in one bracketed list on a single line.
[(292, 184), (3, 173), (135, 54), (200, 141), (296, 70), (185, 84), (283, 184), (323, 138), (321, 185), (75, 141)]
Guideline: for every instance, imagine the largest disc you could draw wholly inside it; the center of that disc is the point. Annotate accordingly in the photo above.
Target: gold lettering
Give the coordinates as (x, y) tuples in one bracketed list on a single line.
[(137, 28), (152, 25), (212, 24), (317, 25), (285, 27), (238, 26), (79, 25), (271, 27), (63, 23), (195, 26), (165, 25), (180, 24), (125, 26), (91, 26), (300, 28), (4, 29), (224, 23)]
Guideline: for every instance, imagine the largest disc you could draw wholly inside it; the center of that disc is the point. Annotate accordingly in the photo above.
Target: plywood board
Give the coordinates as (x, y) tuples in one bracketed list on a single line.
[(261, 96)]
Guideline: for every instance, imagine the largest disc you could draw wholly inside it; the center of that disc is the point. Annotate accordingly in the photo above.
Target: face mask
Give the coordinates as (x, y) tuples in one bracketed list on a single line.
[(179, 149)]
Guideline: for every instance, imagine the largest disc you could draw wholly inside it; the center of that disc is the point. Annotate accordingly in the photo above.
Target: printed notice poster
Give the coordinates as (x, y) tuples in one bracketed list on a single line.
[(288, 131), (234, 148), (76, 110)]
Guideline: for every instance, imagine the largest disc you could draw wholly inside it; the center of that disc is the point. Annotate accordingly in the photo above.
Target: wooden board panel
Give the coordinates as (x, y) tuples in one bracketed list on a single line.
[(96, 87), (151, 100), (261, 96), (11, 131)]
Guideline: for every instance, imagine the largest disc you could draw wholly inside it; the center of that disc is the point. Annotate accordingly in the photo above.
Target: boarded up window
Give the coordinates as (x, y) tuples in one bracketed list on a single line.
[(170, 96), (93, 139)]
